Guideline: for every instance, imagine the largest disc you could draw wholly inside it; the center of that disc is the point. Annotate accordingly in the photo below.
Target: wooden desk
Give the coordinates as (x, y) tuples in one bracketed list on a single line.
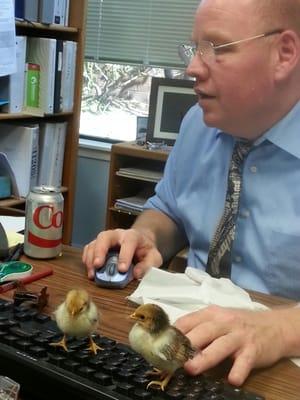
[(280, 382)]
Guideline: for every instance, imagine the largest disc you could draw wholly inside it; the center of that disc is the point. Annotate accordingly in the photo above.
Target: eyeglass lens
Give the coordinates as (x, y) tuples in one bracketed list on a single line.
[(204, 49)]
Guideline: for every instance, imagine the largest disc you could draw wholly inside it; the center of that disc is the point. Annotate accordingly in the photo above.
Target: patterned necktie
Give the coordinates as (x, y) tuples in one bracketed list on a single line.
[(219, 255)]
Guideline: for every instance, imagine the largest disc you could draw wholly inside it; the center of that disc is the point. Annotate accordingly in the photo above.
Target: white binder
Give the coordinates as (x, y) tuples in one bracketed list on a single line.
[(20, 144), (51, 153), (12, 86), (42, 51)]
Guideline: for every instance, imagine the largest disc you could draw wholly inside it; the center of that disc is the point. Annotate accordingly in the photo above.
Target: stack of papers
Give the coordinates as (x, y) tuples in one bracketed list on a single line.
[(141, 174), (133, 204), (12, 224)]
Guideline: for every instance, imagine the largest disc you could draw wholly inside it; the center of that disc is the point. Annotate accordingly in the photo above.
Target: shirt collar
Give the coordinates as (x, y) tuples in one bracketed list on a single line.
[(285, 134)]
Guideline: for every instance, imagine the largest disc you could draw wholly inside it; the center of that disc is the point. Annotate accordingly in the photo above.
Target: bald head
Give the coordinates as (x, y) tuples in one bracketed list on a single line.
[(271, 14), (283, 14)]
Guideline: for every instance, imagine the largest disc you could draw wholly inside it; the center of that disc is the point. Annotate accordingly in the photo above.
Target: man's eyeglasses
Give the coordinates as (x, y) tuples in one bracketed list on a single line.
[(208, 51)]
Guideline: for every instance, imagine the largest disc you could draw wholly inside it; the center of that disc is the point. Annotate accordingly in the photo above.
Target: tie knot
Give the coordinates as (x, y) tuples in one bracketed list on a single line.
[(242, 148)]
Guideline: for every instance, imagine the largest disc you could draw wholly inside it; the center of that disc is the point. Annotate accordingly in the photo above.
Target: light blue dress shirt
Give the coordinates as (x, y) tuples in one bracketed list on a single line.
[(266, 249)]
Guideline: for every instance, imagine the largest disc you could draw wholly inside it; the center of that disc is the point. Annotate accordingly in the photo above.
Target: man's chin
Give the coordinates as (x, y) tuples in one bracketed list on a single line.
[(211, 120)]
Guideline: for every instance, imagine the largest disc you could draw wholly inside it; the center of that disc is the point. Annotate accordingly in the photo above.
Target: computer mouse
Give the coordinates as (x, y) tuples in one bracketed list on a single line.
[(108, 275)]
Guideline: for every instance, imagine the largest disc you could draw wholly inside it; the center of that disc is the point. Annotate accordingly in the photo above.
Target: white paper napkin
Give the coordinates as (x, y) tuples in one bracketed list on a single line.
[(181, 293)]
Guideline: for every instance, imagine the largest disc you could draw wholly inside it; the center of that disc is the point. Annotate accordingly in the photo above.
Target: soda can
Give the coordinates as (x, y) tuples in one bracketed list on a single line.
[(43, 222)]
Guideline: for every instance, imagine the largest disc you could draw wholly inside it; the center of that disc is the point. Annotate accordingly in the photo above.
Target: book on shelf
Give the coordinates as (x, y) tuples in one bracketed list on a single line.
[(52, 12), (31, 10), (150, 175), (68, 75), (67, 12), (58, 72), (19, 147), (12, 86), (45, 79), (42, 51), (19, 7), (51, 153), (43, 11)]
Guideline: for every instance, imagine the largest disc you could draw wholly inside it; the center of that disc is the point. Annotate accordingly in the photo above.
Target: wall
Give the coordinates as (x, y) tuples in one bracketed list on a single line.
[(91, 191)]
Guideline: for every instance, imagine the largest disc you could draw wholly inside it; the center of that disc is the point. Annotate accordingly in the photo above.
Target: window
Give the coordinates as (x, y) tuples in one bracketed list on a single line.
[(128, 42)]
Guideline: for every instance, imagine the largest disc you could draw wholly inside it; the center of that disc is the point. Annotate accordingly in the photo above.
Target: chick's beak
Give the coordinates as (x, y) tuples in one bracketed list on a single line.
[(73, 313), (133, 316)]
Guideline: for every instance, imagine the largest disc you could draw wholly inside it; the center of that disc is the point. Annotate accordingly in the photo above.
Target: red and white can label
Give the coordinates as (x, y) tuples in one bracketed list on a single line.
[(46, 219)]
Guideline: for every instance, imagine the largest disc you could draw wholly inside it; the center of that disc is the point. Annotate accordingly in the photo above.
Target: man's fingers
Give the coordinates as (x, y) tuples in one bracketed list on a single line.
[(152, 259), (212, 355), (88, 258), (241, 367), (204, 334), (128, 246), (94, 253), (188, 322)]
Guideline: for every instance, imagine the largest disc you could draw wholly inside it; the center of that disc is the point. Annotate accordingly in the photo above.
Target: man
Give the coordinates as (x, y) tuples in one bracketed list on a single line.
[(249, 90)]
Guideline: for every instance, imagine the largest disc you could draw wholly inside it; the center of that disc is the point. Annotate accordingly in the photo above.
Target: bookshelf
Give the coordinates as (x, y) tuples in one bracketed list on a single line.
[(74, 32), (134, 170), (130, 174)]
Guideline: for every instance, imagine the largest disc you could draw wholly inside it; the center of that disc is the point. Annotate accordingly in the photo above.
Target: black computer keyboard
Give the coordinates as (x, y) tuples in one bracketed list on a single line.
[(116, 372)]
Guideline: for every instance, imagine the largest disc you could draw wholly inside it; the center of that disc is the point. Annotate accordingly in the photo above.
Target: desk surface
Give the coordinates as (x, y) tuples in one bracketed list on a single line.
[(280, 382)]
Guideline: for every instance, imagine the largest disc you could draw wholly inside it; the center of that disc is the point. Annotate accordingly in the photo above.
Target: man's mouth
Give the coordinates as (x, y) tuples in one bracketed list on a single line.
[(203, 95)]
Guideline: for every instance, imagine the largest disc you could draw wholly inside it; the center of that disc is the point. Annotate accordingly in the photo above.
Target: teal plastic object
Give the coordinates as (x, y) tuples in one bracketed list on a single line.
[(5, 187), (12, 270)]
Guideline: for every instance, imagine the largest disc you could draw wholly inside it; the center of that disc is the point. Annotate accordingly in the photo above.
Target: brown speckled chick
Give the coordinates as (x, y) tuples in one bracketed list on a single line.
[(161, 344)]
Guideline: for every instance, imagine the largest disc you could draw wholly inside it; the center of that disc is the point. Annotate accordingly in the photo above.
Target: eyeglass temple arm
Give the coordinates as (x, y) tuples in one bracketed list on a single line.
[(248, 39)]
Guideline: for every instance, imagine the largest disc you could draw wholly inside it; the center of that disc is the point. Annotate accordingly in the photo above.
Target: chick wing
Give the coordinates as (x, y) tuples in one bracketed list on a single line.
[(178, 348)]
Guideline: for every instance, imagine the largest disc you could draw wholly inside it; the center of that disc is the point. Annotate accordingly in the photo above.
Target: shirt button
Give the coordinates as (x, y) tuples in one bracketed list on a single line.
[(237, 259), (245, 213), (253, 169)]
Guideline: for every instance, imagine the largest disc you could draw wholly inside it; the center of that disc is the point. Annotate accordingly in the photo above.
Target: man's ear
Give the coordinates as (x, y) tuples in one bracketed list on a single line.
[(287, 54)]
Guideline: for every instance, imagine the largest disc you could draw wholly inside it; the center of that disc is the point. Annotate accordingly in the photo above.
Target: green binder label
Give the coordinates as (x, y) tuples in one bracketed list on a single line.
[(33, 85)]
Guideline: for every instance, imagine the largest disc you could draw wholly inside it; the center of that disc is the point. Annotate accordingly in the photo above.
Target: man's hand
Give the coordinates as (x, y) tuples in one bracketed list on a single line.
[(252, 338), (133, 245), (153, 238)]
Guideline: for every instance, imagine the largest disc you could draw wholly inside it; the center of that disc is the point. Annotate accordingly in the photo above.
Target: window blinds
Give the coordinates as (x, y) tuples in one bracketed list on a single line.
[(138, 31)]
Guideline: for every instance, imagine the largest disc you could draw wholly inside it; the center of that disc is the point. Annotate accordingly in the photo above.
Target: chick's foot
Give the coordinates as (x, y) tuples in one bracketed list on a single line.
[(62, 343), (154, 371), (93, 347), (162, 383)]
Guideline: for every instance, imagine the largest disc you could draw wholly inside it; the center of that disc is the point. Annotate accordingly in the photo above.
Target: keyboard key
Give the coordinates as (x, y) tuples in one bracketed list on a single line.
[(125, 388), (103, 379)]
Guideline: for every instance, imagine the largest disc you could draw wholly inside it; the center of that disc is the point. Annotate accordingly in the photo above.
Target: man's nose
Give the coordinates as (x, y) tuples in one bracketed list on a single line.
[(197, 68)]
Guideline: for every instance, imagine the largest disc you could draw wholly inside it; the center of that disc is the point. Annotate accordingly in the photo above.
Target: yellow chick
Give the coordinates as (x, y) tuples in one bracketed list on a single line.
[(77, 316), (161, 344)]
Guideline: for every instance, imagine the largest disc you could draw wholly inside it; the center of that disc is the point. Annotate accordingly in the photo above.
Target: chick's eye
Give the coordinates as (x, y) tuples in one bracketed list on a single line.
[(142, 317)]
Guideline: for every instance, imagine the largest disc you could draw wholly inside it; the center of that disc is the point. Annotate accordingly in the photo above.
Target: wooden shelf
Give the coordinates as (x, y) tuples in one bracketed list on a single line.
[(130, 156), (16, 201), (12, 202), (45, 27), (6, 117), (76, 32)]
